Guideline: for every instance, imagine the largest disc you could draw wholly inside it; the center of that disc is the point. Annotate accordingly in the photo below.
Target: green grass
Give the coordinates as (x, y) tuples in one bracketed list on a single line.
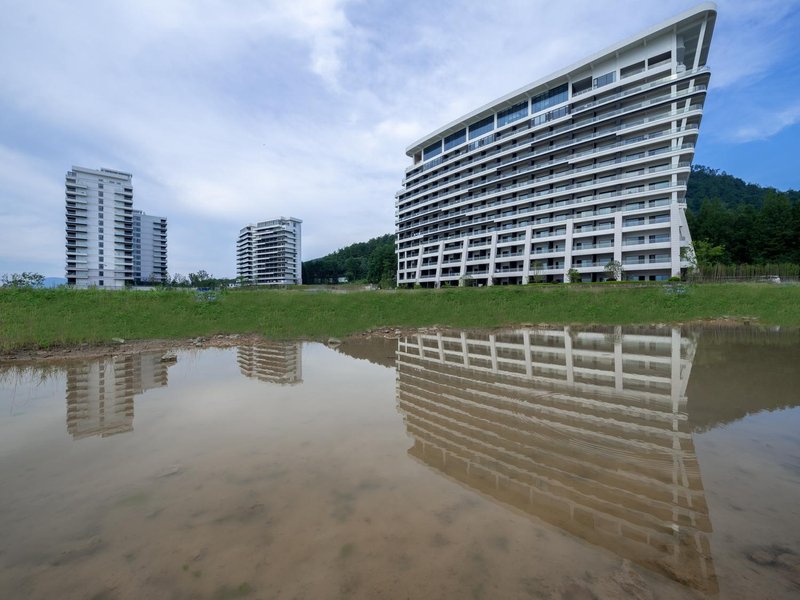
[(58, 317)]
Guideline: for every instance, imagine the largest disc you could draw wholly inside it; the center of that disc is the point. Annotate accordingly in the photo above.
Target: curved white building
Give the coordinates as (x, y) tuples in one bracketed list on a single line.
[(581, 168)]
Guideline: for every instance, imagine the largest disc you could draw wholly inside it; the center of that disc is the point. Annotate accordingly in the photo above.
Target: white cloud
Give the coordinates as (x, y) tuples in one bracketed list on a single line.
[(767, 123), (756, 35)]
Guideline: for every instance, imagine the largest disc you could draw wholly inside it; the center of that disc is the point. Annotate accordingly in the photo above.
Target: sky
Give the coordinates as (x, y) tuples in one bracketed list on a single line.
[(232, 112)]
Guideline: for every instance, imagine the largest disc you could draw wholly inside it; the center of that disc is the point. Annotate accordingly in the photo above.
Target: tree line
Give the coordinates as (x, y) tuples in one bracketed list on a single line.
[(373, 261), (736, 223)]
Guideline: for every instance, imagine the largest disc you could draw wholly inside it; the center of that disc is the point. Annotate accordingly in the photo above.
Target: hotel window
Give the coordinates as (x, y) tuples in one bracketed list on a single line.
[(550, 98), (481, 127), (455, 139), (512, 114), (432, 150), (604, 79)]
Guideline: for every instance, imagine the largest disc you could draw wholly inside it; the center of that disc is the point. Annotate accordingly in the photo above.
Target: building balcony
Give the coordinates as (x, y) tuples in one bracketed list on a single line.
[(522, 128), (649, 190), (411, 191), (410, 202), (405, 206), (592, 248), (541, 253), (639, 262)]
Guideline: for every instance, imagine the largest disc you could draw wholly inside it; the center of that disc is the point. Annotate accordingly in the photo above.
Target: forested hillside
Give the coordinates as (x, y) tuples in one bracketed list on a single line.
[(373, 262), (753, 224)]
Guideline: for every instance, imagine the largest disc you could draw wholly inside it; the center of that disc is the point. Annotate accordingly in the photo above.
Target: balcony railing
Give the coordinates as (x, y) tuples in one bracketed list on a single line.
[(586, 214), (521, 128), (639, 139)]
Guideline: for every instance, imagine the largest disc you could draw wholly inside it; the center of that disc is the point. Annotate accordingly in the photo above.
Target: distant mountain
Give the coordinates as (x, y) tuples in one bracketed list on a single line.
[(706, 183), (51, 282)]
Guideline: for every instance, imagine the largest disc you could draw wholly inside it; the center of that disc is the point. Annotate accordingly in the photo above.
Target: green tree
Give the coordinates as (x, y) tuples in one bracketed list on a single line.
[(382, 266), (353, 261), (754, 224), (178, 280), (22, 280), (774, 237), (706, 254), (614, 270), (536, 271), (574, 276)]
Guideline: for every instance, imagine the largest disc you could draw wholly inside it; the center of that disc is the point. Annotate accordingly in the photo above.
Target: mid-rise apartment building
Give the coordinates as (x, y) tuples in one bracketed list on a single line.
[(269, 252), (99, 227), (149, 248), (109, 244), (580, 169)]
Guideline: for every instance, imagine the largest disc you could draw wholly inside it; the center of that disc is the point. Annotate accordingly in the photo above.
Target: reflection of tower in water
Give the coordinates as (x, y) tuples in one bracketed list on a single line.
[(273, 362), (587, 431), (100, 393)]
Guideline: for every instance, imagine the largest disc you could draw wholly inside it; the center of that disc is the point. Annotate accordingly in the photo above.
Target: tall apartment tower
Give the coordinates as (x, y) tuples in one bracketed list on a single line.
[(584, 167), (149, 248), (269, 253), (99, 228)]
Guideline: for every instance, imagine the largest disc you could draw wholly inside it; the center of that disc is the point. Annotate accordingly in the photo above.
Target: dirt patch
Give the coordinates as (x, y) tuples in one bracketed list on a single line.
[(124, 347)]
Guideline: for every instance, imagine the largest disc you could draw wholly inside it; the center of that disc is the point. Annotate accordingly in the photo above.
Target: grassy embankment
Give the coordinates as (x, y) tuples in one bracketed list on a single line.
[(44, 318)]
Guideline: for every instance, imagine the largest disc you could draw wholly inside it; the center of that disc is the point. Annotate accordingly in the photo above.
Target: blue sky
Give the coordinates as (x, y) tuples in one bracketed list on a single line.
[(233, 112)]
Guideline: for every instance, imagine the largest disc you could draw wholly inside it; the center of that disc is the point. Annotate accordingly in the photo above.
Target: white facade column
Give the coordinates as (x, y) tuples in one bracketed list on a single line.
[(439, 258), (526, 256), (492, 258), (568, 250), (464, 251), (675, 238), (618, 236)]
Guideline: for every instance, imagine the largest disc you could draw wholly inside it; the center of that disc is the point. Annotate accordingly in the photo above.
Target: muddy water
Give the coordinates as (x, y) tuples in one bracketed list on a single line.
[(564, 463)]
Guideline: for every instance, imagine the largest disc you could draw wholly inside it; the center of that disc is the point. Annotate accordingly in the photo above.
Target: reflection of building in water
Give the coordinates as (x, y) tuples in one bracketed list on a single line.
[(100, 393), (273, 362), (587, 431)]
